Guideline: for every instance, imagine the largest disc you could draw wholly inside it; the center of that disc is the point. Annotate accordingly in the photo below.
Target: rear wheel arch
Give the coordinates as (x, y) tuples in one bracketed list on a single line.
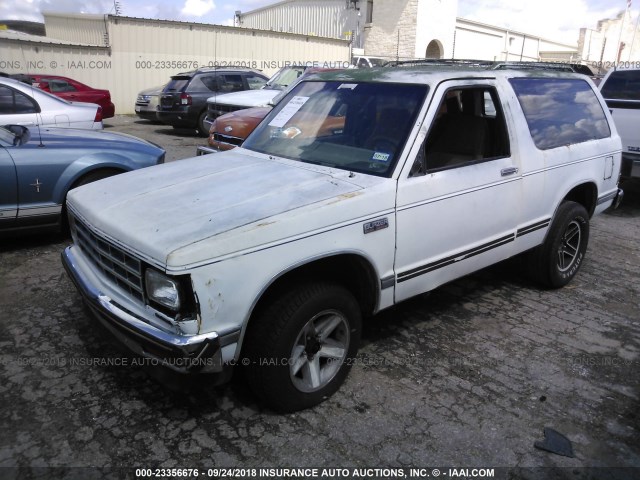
[(586, 194)]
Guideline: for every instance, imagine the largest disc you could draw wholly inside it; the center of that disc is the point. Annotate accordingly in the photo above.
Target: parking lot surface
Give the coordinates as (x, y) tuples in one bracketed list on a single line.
[(466, 377)]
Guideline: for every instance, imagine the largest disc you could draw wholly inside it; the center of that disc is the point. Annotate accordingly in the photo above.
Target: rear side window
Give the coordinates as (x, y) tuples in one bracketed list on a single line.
[(12, 102), (60, 86), (176, 84), (622, 85), (255, 82), (560, 112)]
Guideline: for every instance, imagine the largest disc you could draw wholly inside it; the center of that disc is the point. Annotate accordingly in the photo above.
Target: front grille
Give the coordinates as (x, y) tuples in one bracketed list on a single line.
[(228, 139), (121, 268), (214, 110)]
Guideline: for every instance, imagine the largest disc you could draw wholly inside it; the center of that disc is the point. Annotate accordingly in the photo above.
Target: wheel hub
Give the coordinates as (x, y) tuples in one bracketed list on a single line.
[(312, 346), (319, 351)]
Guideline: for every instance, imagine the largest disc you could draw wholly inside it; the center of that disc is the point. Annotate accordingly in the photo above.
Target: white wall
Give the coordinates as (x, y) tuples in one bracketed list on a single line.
[(600, 47), (487, 42), (436, 20)]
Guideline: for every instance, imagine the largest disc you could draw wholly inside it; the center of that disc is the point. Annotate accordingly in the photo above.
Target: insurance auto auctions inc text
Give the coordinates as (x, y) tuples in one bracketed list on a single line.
[(332, 473)]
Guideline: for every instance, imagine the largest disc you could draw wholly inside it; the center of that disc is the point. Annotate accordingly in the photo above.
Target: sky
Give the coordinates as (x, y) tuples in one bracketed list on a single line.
[(558, 20)]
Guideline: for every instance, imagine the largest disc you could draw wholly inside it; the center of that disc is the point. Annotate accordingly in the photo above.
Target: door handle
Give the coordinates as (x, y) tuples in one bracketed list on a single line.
[(508, 171)]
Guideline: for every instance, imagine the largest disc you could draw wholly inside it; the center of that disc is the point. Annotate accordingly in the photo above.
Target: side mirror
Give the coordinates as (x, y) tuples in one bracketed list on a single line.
[(22, 134)]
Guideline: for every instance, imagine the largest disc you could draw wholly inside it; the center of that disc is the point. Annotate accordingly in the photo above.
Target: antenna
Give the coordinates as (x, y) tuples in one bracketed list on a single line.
[(117, 6)]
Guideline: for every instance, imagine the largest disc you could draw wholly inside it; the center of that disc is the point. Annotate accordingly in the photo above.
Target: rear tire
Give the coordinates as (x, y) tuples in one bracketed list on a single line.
[(300, 348), (558, 259)]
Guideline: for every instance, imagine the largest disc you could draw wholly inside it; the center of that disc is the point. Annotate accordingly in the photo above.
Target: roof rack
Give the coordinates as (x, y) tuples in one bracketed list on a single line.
[(494, 65), (442, 62), (508, 65)]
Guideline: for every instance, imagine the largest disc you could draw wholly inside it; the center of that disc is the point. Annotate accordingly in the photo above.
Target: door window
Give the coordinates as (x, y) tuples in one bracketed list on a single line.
[(231, 83), (60, 86), (255, 82), (12, 102), (469, 128)]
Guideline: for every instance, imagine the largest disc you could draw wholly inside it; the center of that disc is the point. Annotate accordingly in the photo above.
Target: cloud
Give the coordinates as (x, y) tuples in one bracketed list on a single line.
[(197, 8), (30, 9), (552, 19)]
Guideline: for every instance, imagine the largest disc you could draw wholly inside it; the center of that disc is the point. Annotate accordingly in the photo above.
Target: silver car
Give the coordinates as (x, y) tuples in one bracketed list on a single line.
[(147, 102), (23, 104)]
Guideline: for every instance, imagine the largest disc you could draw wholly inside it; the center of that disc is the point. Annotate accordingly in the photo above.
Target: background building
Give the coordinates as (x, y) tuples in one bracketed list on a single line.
[(613, 41), (343, 19), (126, 54), (405, 29)]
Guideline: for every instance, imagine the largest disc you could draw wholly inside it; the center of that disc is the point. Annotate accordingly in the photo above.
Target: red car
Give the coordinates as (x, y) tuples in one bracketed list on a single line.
[(75, 91)]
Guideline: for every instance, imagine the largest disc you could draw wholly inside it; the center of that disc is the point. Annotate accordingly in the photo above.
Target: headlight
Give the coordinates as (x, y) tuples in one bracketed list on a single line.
[(162, 289)]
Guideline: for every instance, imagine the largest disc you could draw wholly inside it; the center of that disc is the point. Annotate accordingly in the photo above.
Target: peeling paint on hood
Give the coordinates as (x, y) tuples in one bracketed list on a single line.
[(161, 210)]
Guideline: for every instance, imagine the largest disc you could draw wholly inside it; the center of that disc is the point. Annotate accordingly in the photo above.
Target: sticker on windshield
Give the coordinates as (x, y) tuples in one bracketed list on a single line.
[(350, 86), (380, 157), (289, 110)]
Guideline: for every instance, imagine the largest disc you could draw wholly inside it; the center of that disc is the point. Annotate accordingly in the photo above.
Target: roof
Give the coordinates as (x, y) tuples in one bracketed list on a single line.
[(431, 74), (25, 37)]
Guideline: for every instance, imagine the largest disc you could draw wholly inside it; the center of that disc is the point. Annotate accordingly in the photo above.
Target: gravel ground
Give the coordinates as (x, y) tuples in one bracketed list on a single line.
[(466, 377)]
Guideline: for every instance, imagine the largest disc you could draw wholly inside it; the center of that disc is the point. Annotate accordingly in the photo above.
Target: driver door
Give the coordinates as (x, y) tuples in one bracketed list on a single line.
[(457, 209)]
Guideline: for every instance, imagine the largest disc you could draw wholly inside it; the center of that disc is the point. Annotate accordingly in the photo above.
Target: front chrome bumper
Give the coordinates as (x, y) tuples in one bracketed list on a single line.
[(181, 353), (205, 151)]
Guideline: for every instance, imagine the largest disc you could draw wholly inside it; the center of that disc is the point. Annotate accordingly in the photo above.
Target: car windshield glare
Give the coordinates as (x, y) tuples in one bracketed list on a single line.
[(284, 78), (360, 127)]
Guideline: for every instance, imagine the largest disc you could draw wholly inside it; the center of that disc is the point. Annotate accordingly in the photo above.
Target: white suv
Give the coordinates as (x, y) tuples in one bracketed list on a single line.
[(360, 189), (621, 90)]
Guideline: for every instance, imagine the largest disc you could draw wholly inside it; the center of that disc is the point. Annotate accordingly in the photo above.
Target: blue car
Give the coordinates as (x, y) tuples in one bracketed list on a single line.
[(38, 166)]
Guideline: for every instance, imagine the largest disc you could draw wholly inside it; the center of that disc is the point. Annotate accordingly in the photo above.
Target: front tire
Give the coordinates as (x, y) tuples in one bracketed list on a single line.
[(301, 347), (558, 259), (203, 128)]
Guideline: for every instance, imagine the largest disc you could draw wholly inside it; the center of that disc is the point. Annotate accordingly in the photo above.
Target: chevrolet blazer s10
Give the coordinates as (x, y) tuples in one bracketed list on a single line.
[(360, 189)]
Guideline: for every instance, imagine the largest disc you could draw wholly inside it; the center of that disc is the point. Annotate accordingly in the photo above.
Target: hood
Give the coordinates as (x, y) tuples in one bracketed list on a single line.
[(246, 98), (91, 139), (192, 211), (153, 90), (241, 122)]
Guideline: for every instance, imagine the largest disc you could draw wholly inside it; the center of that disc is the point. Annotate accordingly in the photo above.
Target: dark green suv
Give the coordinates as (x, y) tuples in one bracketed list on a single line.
[(183, 102)]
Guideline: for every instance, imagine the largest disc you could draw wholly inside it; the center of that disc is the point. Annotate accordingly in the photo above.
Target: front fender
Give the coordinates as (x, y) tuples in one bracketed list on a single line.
[(86, 164)]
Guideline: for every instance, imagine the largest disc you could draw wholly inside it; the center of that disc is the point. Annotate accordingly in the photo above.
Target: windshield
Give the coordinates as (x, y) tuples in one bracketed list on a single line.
[(6, 136), (377, 62), (284, 78), (360, 127), (176, 84)]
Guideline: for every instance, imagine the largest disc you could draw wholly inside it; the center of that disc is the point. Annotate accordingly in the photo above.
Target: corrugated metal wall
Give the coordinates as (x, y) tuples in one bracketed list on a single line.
[(325, 18), (89, 29), (145, 53)]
